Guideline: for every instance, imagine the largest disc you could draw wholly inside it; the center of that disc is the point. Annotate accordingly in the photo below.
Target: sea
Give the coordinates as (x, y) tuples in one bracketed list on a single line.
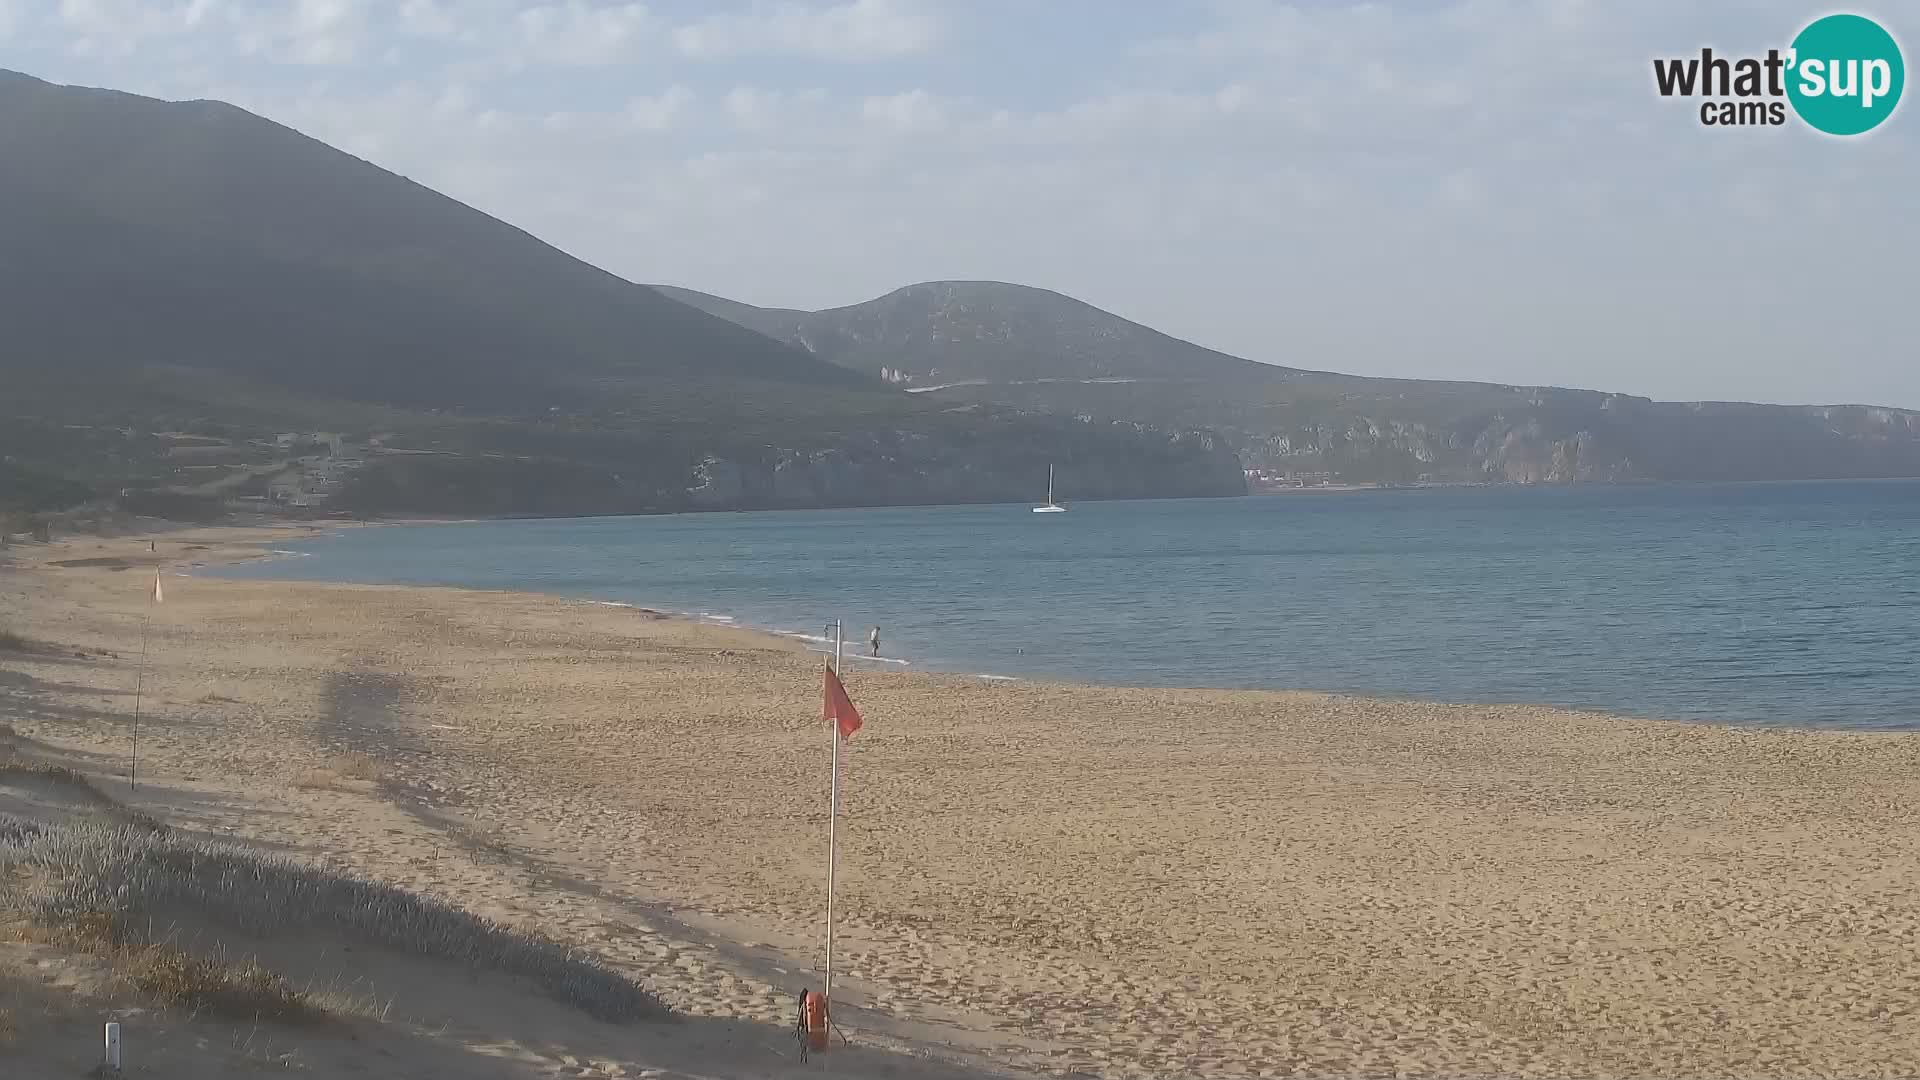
[(1765, 604)]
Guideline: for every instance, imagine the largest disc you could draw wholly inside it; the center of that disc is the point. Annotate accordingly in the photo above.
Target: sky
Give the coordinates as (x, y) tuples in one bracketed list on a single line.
[(1462, 189)]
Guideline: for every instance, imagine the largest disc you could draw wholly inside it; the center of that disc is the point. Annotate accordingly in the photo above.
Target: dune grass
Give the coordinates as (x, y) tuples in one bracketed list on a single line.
[(171, 976), (101, 881), (176, 977), (13, 763)]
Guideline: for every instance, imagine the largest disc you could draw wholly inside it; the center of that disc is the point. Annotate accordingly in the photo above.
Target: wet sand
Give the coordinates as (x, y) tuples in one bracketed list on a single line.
[(1122, 882)]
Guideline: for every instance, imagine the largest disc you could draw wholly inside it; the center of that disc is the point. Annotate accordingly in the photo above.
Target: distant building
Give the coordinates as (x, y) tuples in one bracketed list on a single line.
[(1269, 479)]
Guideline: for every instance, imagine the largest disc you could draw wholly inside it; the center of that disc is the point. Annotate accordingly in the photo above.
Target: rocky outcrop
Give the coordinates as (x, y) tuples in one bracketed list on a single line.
[(1529, 454), (1580, 437)]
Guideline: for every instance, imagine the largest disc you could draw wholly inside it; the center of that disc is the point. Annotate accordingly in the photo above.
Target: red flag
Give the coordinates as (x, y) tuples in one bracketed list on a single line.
[(840, 708)]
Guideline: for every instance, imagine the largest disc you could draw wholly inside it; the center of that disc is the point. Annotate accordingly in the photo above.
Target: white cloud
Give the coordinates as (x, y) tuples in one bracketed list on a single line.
[(913, 111), (750, 108), (578, 33), (1135, 116), (784, 113), (453, 100), (649, 114), (1461, 188), (660, 112), (116, 28), (429, 18), (323, 31), (1234, 98), (856, 30), (133, 16)]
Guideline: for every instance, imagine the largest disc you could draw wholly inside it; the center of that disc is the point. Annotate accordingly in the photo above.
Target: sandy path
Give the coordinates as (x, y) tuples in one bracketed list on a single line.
[(1122, 882)]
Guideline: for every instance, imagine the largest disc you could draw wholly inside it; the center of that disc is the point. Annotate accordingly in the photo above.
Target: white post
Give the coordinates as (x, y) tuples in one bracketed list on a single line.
[(833, 811), (140, 680), (113, 1046)]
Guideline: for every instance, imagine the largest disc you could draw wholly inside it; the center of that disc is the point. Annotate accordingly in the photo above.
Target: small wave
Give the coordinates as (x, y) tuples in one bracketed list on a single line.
[(293, 554), (818, 643), (610, 603), (1803, 676), (997, 678)]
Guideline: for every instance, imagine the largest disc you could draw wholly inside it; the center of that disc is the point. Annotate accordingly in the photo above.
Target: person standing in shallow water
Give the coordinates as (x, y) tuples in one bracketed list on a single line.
[(873, 639)]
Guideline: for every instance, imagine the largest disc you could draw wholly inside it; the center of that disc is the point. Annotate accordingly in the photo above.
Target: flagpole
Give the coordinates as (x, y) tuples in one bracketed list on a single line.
[(140, 679), (833, 811)]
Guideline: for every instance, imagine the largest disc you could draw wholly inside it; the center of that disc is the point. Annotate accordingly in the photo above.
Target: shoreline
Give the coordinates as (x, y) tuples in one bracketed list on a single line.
[(904, 665), (244, 544), (721, 621)]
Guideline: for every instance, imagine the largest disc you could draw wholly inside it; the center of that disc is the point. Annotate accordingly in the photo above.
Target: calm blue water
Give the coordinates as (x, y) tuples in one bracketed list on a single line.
[(1791, 604)]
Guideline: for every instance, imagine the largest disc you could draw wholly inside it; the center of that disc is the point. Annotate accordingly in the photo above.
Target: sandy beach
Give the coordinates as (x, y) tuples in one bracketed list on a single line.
[(1035, 878)]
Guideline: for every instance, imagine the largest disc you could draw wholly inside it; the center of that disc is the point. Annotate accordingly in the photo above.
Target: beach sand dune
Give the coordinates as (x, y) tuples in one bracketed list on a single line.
[(1035, 877)]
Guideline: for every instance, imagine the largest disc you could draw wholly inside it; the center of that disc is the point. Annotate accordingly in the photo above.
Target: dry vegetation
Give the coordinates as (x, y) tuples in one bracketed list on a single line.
[(170, 976), (93, 886), (175, 977), (317, 780), (13, 764)]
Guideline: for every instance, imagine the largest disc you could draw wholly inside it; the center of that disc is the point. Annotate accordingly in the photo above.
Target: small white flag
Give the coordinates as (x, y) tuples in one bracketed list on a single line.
[(158, 595)]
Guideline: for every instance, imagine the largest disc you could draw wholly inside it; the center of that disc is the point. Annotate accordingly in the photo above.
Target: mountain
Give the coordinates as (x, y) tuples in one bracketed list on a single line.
[(986, 342), (191, 269), (964, 330), (151, 232)]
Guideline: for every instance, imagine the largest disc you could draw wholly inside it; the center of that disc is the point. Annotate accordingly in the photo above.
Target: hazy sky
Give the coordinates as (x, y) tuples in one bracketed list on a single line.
[(1477, 189)]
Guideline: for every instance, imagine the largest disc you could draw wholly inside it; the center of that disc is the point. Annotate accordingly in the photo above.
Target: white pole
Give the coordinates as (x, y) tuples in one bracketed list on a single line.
[(833, 811), (140, 681), (113, 1046)]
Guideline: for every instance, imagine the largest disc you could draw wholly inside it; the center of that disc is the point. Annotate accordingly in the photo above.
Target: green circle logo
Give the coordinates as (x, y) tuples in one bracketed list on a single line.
[(1846, 74)]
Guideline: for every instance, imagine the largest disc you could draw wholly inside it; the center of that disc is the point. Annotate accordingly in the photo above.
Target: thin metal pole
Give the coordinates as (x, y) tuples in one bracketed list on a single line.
[(833, 812), (140, 685)]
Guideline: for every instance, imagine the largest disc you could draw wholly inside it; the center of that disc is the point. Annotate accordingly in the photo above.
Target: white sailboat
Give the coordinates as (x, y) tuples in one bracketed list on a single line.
[(1051, 507)]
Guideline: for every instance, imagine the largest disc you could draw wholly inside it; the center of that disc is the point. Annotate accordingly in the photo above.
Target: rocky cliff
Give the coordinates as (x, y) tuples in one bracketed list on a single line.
[(1571, 437)]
